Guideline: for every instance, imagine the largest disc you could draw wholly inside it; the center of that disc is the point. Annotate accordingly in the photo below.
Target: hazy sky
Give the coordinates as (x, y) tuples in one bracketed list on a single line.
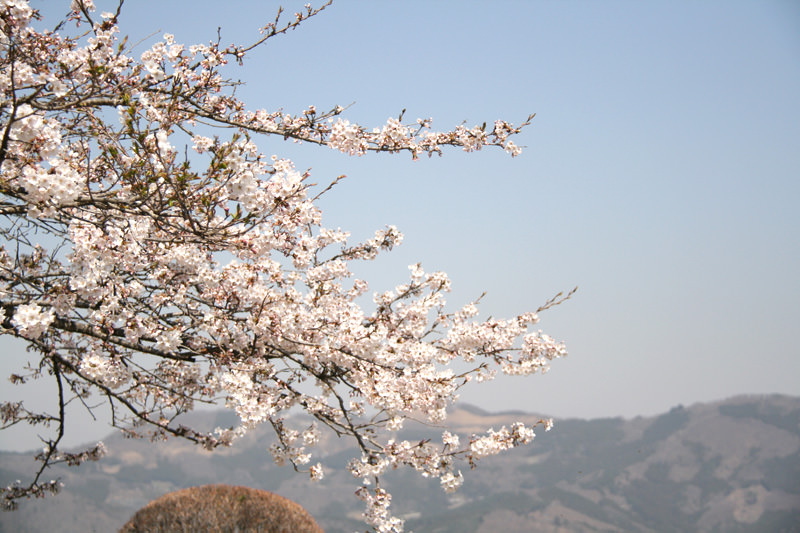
[(660, 175)]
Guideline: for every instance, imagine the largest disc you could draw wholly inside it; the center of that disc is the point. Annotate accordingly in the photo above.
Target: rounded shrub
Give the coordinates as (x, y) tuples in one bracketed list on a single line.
[(222, 508)]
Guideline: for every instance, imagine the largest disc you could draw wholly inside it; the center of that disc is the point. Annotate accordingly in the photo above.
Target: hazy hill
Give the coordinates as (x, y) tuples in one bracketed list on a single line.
[(727, 466)]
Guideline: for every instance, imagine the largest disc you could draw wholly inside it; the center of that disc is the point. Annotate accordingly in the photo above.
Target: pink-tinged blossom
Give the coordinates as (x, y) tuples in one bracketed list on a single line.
[(202, 144), (18, 10), (451, 482), (377, 513), (31, 321), (77, 5), (104, 371), (346, 138), (450, 440), (513, 149), (33, 131), (317, 472), (499, 441), (168, 341), (48, 188)]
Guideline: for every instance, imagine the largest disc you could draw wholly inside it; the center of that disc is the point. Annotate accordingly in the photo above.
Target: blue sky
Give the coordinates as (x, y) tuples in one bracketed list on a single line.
[(660, 175)]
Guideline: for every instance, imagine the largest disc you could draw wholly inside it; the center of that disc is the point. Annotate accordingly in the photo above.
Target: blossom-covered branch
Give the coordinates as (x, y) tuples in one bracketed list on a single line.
[(154, 279)]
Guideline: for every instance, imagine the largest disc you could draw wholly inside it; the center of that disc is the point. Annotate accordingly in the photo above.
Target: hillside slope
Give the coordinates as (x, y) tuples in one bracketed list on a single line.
[(727, 466)]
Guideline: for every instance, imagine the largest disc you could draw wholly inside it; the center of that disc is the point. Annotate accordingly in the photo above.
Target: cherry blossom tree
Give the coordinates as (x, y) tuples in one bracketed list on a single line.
[(153, 258)]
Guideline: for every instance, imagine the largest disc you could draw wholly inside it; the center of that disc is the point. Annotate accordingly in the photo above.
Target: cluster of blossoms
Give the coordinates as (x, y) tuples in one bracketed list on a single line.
[(154, 281), (499, 441), (395, 136), (377, 513), (31, 322)]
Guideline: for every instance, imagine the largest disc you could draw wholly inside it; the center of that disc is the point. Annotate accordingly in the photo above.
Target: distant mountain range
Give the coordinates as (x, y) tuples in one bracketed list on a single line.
[(730, 466)]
